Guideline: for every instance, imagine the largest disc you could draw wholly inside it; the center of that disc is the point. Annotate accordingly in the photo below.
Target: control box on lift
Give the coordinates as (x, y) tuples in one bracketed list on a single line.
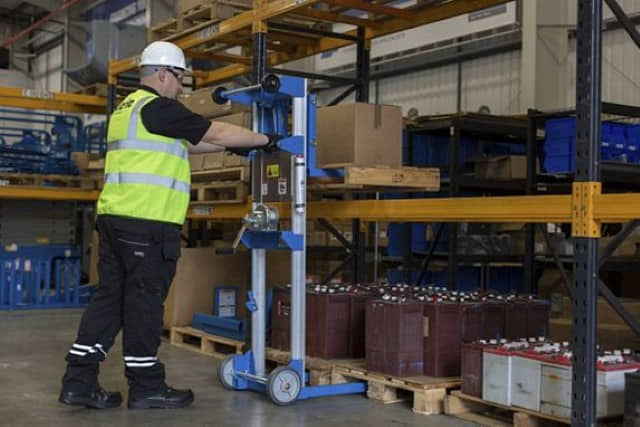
[(274, 170)]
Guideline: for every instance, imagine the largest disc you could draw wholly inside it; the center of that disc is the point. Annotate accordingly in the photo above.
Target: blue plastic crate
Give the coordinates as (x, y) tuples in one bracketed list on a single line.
[(396, 238), (506, 279), (433, 150), (560, 128), (559, 146), (559, 164), (632, 135), (613, 141), (468, 278)]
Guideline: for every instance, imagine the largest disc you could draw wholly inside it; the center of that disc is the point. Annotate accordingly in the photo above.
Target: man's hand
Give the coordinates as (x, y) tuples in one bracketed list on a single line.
[(272, 144)]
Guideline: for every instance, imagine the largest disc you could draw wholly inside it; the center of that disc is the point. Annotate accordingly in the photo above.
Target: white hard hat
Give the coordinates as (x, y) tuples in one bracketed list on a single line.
[(163, 54)]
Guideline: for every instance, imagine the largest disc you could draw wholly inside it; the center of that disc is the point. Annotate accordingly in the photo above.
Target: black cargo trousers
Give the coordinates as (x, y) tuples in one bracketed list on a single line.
[(137, 262)]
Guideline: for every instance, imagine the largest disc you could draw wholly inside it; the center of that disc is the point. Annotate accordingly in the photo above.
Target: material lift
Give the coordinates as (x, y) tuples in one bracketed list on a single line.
[(278, 176)]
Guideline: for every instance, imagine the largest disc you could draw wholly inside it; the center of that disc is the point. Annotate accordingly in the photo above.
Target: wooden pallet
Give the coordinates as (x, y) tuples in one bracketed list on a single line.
[(428, 393), (485, 413), (225, 192), (202, 342), (320, 370), (380, 178), (102, 90), (237, 173), (200, 18), (42, 180)]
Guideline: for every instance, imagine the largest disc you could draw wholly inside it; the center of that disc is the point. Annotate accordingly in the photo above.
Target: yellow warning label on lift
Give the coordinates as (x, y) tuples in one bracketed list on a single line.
[(273, 171)]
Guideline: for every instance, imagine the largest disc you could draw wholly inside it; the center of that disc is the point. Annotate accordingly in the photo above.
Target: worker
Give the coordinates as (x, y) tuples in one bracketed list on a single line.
[(140, 214)]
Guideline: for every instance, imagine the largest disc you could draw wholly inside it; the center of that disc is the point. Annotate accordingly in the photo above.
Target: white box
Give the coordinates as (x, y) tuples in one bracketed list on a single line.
[(496, 377), (525, 382), (556, 391)]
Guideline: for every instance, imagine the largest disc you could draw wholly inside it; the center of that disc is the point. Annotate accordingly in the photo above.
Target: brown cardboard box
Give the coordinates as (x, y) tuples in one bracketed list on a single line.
[(81, 160), (213, 161), (200, 102), (383, 229), (242, 119), (278, 268), (199, 271), (501, 167), (359, 134), (196, 161), (233, 160), (606, 314), (610, 337), (333, 240)]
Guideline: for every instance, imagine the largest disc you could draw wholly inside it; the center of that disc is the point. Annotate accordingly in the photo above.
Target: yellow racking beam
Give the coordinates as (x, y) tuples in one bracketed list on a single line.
[(57, 101), (379, 28), (521, 209), (43, 193), (478, 209)]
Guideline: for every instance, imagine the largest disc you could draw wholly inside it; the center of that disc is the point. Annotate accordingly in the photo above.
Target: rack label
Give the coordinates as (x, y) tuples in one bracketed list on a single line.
[(209, 31), (202, 210)]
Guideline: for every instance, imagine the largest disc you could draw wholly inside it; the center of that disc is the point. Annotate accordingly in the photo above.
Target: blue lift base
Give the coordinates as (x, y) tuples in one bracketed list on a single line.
[(243, 368)]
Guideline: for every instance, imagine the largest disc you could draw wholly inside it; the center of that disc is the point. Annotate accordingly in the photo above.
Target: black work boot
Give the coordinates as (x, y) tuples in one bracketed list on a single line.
[(96, 398), (169, 398)]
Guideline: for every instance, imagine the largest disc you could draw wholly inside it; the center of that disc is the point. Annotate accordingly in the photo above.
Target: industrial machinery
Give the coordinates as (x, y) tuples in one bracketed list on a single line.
[(41, 276), (95, 137), (279, 175), (39, 142)]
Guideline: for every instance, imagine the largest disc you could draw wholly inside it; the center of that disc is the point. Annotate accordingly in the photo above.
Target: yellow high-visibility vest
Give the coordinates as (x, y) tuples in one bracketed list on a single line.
[(147, 175)]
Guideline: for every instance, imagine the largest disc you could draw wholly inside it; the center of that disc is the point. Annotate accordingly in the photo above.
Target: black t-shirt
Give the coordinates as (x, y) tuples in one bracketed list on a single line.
[(168, 117)]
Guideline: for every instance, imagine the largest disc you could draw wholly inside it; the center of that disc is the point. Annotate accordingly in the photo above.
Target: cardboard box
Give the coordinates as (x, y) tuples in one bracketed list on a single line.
[(242, 119), (199, 271), (81, 160), (359, 134), (333, 240), (196, 161), (200, 102), (501, 167), (213, 161), (383, 239), (233, 160)]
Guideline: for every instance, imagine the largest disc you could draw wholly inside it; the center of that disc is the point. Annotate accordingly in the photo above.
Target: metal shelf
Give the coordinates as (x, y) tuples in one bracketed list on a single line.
[(611, 208), (238, 30), (55, 101), (44, 193)]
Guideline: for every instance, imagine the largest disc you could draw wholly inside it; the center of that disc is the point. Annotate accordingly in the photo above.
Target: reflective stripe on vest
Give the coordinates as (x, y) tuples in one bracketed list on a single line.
[(133, 143), (146, 178)]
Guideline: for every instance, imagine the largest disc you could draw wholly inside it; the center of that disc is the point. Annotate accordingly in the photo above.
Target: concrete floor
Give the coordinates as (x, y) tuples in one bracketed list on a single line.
[(33, 345)]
